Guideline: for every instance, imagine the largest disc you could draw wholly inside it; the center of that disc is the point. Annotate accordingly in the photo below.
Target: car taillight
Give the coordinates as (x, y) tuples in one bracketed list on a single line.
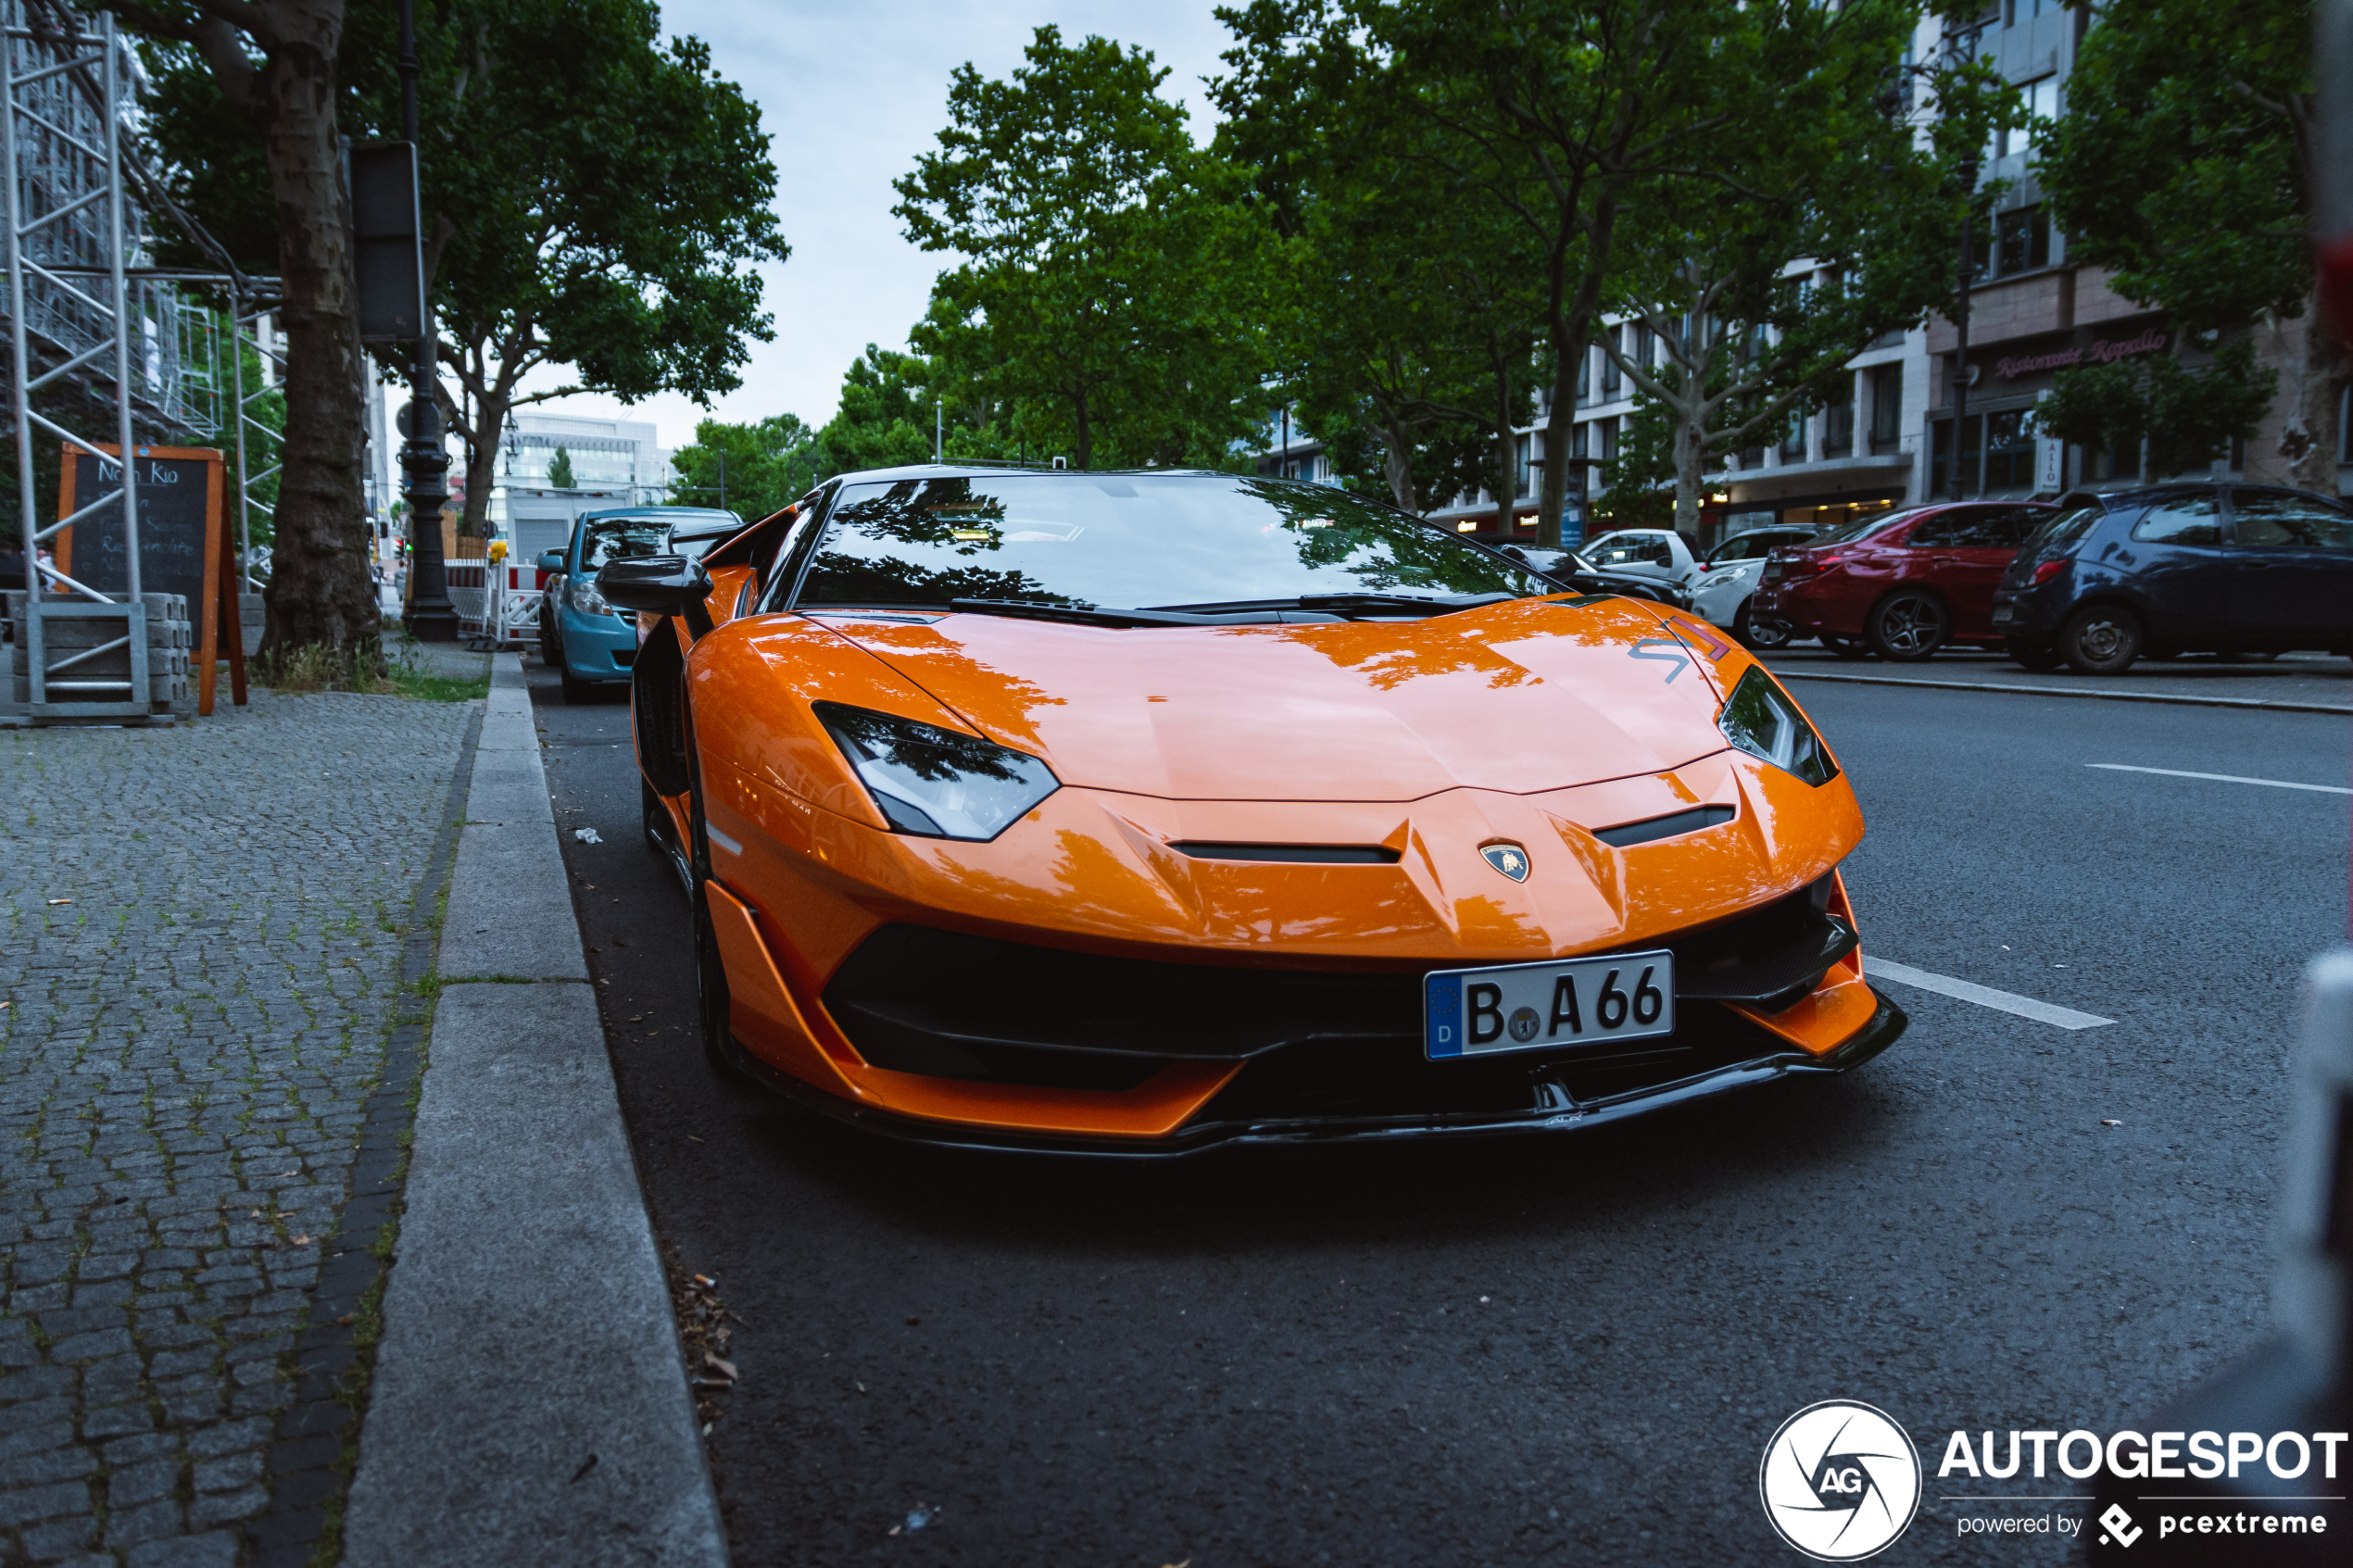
[(2049, 570)]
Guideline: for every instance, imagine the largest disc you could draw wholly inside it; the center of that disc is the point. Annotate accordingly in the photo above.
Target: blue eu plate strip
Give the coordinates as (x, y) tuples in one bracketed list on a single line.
[(1443, 1014)]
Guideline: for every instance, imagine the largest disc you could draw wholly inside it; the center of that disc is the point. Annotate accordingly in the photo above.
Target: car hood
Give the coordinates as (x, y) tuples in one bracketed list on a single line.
[(1530, 696)]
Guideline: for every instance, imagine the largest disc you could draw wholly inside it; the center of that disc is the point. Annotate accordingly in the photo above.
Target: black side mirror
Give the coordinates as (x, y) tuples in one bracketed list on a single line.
[(660, 585)]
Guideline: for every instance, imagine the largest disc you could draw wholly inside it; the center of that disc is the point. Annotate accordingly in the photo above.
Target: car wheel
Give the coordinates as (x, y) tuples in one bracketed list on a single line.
[(719, 1048), (2034, 656), (1846, 648), (1758, 634), (1908, 625), (2100, 640)]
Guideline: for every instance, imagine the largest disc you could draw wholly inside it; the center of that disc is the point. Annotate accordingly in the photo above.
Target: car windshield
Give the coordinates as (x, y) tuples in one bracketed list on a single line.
[(1622, 550), (621, 538), (1752, 546), (1135, 540)]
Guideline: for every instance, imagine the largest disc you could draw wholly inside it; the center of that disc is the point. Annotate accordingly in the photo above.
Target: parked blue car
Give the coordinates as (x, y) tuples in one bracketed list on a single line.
[(587, 641), (2239, 570)]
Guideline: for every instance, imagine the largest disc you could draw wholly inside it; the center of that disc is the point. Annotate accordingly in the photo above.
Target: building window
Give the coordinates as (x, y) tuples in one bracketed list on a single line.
[(2023, 240), (1838, 420), (1520, 463), (1585, 377), (1794, 437), (1887, 406), (1940, 456), (1609, 368), (1609, 439), (1642, 347), (2009, 450)]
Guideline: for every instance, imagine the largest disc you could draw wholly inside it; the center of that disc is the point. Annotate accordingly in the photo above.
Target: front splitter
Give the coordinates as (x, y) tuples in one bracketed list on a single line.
[(1564, 1113)]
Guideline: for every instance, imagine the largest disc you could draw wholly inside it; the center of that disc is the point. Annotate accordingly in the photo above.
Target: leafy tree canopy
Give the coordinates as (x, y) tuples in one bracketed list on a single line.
[(753, 469), (594, 197), (2183, 163), (1108, 303)]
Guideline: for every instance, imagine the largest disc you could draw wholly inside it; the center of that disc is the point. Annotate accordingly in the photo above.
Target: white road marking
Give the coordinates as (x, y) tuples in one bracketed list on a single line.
[(2222, 778), (1983, 995)]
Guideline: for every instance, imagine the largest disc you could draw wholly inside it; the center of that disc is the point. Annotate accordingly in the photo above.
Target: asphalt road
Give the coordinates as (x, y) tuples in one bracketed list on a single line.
[(1571, 1350)]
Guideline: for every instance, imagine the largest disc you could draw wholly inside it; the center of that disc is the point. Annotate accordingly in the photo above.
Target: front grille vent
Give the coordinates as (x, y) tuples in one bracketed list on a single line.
[(1652, 829), (1295, 854)]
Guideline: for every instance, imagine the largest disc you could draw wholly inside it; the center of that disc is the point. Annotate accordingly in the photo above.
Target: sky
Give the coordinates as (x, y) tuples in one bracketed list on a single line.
[(851, 94)]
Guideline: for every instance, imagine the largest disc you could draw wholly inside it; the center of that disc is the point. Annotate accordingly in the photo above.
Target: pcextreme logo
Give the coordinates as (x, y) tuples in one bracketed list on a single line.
[(1840, 1481)]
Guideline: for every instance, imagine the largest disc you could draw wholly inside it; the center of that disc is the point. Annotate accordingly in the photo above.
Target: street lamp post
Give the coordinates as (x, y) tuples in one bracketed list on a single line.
[(423, 463)]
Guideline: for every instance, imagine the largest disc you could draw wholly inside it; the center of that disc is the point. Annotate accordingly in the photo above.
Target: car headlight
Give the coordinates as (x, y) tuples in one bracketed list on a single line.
[(1763, 722), (584, 597), (936, 782)]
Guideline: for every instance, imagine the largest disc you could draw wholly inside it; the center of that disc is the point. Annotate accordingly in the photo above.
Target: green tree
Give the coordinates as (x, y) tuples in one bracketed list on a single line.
[(884, 418), (1816, 168), (2182, 162), (273, 67), (1109, 301), (1412, 361), (2187, 418), (560, 474), (755, 469), (595, 200)]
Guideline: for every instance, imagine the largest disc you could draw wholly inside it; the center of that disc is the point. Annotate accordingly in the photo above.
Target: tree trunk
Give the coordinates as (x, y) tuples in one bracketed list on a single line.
[(1397, 463), (2308, 438), (482, 472), (319, 590), (1560, 422), (1691, 466), (482, 445), (1507, 475)]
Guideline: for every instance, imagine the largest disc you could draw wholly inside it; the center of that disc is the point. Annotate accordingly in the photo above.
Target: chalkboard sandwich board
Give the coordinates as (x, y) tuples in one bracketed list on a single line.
[(181, 546)]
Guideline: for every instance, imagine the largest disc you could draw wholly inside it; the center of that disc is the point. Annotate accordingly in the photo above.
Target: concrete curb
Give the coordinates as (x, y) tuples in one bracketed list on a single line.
[(529, 1404), (2063, 691)]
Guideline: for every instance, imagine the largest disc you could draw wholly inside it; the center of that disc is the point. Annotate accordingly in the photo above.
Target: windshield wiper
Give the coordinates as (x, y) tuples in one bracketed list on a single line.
[(1085, 615), (1341, 603)]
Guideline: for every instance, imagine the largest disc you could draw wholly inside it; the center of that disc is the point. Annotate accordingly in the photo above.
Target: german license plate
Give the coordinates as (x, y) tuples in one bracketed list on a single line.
[(1534, 1007)]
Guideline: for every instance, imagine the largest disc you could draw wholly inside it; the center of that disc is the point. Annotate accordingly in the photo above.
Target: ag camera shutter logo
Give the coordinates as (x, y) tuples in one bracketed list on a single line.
[(1840, 1481)]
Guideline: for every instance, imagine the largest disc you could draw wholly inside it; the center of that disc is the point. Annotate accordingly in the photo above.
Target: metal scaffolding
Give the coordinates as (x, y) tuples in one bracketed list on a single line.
[(89, 315)]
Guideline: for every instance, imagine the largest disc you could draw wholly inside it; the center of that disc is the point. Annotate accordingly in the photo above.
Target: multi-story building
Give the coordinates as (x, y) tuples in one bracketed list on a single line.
[(1892, 440), (619, 462)]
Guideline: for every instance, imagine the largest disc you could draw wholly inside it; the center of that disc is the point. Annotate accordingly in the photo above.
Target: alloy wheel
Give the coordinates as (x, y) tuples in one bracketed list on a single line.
[(1908, 626)]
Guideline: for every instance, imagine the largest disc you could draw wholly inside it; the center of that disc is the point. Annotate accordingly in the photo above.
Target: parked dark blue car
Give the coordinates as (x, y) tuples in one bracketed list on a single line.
[(2190, 568)]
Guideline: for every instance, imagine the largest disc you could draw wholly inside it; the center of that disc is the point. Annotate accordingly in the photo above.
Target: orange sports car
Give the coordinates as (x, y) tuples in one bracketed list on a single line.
[(1147, 811)]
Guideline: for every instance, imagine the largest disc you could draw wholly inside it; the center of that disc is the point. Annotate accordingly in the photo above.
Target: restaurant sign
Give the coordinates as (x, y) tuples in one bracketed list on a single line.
[(2099, 351)]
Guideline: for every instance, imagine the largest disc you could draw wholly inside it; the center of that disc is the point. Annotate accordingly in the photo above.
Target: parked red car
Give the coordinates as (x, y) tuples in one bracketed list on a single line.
[(1900, 585)]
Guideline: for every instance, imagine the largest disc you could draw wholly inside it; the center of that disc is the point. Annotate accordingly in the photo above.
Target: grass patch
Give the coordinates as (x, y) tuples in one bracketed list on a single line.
[(425, 687), (365, 669)]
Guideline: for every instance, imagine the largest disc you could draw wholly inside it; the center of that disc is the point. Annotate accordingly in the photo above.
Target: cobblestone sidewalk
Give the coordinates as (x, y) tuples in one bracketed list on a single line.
[(201, 937)]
